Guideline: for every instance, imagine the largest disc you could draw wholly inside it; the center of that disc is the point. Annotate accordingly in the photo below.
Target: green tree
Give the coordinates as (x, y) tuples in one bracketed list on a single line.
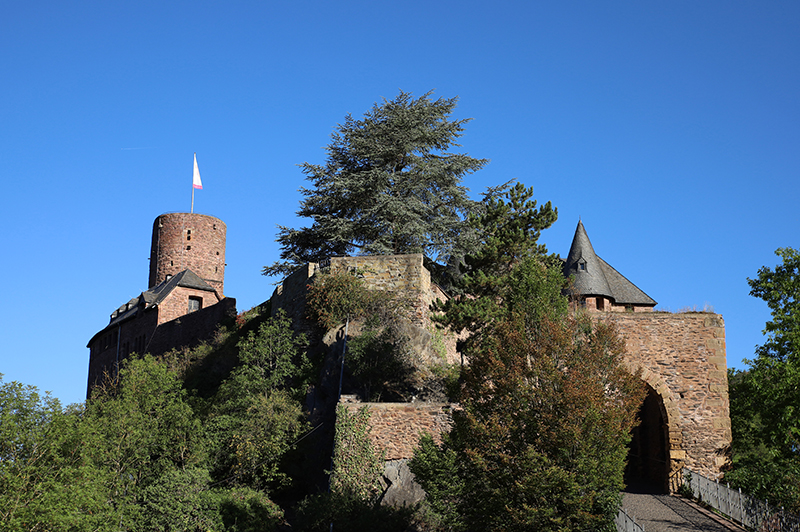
[(780, 289), (256, 415), (508, 226), (353, 501), (389, 186), (765, 399), (547, 405), (45, 482), (139, 429)]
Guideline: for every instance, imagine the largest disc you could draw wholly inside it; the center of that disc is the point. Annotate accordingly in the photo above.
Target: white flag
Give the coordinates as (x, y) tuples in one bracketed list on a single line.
[(196, 183)]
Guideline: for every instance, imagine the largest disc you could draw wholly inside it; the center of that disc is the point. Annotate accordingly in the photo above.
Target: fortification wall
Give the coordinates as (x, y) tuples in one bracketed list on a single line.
[(403, 275), (191, 329), (395, 428), (682, 357)]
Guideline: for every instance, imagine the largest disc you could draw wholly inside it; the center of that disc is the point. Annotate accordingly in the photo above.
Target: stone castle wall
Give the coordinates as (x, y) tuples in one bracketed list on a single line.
[(403, 275), (149, 333), (395, 428), (682, 357)]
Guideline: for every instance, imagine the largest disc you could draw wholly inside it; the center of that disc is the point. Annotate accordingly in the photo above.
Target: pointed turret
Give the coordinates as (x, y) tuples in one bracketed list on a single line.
[(594, 277), (585, 267)]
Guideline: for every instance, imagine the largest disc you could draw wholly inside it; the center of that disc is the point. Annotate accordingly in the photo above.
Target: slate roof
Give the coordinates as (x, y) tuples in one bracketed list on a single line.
[(153, 296), (592, 276)]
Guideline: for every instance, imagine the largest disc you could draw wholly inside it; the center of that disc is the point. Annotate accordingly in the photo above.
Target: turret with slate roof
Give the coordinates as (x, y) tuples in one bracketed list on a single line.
[(596, 284)]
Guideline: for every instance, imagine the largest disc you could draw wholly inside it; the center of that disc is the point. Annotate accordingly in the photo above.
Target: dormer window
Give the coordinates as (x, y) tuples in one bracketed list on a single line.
[(582, 265)]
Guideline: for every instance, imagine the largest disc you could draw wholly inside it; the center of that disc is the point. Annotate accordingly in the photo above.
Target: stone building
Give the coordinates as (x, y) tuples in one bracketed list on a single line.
[(184, 302), (681, 359), (685, 419)]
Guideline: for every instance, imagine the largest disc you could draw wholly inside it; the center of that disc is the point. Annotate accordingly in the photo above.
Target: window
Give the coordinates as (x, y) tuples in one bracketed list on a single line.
[(195, 303)]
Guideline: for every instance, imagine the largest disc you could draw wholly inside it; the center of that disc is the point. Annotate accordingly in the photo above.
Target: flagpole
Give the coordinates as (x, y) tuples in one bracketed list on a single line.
[(195, 162)]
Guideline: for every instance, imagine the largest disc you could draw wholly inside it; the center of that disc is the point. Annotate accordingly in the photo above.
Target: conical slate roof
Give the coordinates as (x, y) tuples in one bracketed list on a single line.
[(592, 276)]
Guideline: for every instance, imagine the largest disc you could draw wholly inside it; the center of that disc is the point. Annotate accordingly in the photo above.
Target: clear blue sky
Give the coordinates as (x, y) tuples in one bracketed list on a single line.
[(672, 129)]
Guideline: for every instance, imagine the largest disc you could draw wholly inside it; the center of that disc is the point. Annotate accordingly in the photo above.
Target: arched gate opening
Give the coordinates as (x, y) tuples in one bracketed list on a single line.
[(647, 470)]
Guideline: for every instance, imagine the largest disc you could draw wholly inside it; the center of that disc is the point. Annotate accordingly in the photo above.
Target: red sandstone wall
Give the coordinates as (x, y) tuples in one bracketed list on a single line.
[(176, 304), (682, 357), (147, 333), (396, 427), (188, 241), (190, 329)]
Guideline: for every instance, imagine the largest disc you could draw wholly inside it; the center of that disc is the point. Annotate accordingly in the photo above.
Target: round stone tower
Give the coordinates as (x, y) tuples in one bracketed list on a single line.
[(190, 241)]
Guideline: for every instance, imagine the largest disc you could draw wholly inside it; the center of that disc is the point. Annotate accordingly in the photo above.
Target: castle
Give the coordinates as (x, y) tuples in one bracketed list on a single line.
[(184, 301), (681, 357)]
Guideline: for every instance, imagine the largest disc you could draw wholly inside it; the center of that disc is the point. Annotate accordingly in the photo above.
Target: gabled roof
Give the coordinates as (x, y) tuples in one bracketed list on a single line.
[(155, 295), (592, 276)]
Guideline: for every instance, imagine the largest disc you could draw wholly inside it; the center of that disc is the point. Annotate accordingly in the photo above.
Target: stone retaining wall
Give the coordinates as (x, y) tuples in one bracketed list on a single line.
[(395, 428)]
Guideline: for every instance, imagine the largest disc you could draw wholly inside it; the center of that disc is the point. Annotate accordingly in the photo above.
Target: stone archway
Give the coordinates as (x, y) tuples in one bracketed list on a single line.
[(655, 450)]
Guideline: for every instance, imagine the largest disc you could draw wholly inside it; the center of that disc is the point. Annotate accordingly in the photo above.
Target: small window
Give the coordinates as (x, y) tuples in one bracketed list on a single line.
[(188, 237), (582, 266), (188, 248), (195, 303)]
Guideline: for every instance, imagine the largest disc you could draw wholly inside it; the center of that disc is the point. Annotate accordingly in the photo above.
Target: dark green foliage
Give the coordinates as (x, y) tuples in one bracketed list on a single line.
[(547, 405), (271, 358), (317, 512), (389, 186), (509, 227), (357, 467), (436, 468), (45, 481), (140, 429), (333, 298), (247, 510), (145, 455), (765, 399), (376, 362)]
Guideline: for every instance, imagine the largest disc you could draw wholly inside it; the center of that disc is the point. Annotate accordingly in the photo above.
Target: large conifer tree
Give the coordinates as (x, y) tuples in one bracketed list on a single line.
[(389, 186)]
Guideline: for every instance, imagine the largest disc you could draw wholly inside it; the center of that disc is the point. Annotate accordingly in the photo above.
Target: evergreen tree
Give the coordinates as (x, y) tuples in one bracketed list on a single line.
[(546, 404), (389, 186)]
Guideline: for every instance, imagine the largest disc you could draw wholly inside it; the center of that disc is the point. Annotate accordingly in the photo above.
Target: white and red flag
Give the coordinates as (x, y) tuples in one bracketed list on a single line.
[(196, 183)]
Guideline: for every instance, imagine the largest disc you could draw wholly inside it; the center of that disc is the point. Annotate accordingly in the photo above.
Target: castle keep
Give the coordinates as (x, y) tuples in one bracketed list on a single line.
[(184, 301)]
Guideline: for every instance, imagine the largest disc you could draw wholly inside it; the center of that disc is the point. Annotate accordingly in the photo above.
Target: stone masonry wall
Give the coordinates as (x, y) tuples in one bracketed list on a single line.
[(682, 357), (396, 427), (183, 240), (176, 304), (401, 274)]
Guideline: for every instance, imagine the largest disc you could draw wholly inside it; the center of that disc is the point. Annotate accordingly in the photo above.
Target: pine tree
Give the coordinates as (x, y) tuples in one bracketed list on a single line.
[(389, 186), (539, 442)]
